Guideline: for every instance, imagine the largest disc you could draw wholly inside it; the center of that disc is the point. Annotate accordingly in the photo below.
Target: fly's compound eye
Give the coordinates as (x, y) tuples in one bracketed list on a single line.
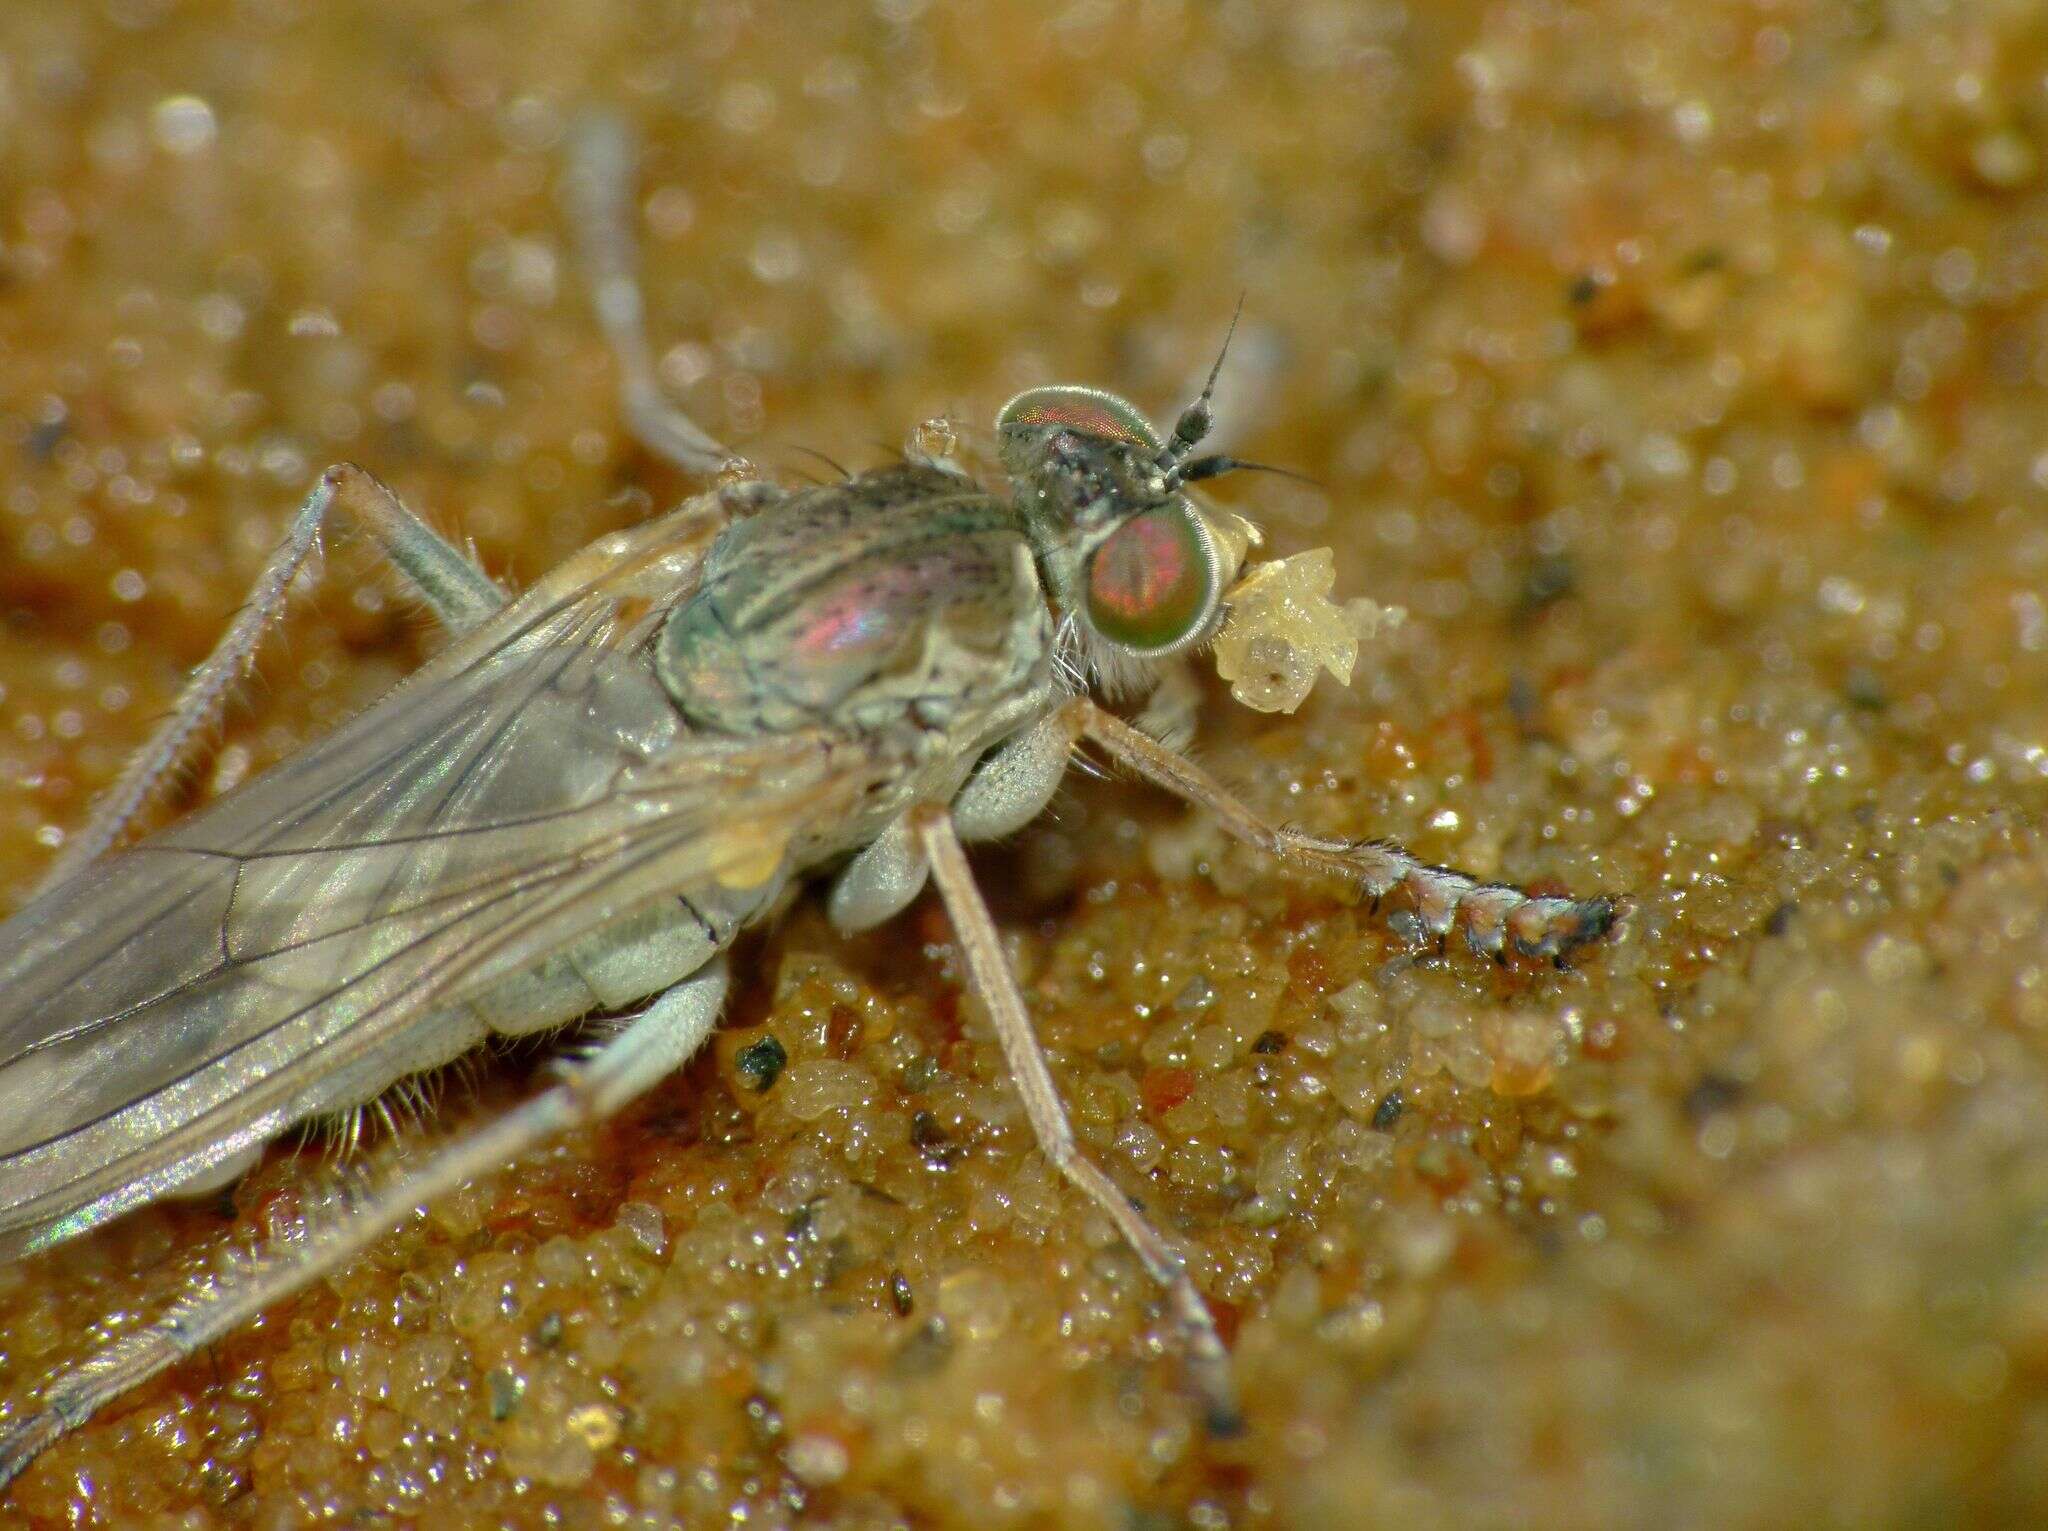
[(1089, 411), (1152, 584)]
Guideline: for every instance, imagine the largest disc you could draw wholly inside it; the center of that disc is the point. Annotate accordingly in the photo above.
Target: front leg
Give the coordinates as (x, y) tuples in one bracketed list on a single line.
[(1496, 916), (1172, 712)]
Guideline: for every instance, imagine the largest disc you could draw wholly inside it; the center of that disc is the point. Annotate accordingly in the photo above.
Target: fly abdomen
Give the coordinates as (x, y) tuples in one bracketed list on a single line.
[(615, 966)]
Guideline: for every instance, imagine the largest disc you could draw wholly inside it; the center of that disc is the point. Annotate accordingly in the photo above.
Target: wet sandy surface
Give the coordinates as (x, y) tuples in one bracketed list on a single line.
[(1681, 378)]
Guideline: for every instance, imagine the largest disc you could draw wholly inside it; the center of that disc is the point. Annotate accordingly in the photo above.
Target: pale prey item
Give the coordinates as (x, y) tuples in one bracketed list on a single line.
[(579, 802)]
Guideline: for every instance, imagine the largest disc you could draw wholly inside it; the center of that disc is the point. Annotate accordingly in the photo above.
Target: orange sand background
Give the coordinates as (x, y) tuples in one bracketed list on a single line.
[(1680, 369)]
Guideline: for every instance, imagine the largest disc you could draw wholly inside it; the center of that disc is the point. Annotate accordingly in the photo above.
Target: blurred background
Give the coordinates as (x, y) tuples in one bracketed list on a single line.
[(1679, 369)]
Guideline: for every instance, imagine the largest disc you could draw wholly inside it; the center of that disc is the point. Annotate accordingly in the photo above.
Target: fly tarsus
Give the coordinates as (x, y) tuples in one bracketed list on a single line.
[(1496, 918)]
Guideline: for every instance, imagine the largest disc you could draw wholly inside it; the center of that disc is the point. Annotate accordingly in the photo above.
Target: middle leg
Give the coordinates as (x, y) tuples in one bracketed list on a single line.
[(597, 190)]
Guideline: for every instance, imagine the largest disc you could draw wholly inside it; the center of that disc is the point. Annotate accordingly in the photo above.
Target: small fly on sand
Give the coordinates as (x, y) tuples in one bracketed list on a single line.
[(581, 799)]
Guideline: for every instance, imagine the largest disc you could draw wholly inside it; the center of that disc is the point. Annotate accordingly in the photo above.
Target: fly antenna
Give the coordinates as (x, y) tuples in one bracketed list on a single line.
[(1195, 420), (1217, 465)]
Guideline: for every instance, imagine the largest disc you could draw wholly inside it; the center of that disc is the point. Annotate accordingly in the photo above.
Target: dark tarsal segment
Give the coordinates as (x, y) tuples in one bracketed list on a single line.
[(1496, 916)]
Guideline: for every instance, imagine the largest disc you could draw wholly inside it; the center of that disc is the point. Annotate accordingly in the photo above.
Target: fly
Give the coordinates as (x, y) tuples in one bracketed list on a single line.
[(582, 798)]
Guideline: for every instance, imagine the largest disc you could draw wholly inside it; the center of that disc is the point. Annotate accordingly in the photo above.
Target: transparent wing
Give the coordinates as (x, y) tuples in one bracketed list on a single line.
[(192, 995)]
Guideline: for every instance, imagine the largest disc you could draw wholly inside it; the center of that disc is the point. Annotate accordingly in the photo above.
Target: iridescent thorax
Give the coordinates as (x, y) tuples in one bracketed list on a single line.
[(905, 588)]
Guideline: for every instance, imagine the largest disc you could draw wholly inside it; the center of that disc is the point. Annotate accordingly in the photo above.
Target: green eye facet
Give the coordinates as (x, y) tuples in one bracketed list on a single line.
[(1087, 410), (1152, 582)]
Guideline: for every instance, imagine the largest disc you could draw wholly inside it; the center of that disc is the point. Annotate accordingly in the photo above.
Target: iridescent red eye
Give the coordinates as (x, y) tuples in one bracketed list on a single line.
[(1152, 582), (1088, 410)]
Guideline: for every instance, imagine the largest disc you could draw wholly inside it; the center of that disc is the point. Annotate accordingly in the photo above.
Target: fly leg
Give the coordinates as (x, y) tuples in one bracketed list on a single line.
[(1170, 714), (597, 191), (1496, 916), (657, 1043), (997, 985), (458, 593)]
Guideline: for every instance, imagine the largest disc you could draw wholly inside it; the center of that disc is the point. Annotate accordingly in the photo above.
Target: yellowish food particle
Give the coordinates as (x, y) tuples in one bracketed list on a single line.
[(1283, 627)]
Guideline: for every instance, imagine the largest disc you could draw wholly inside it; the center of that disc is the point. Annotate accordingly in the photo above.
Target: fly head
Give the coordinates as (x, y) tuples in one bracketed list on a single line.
[(1129, 554)]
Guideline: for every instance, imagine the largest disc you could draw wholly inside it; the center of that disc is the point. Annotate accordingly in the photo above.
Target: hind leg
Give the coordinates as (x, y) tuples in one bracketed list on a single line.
[(458, 593), (655, 1044)]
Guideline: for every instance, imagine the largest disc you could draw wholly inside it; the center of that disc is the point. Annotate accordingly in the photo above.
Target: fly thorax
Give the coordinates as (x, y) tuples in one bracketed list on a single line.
[(906, 594)]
